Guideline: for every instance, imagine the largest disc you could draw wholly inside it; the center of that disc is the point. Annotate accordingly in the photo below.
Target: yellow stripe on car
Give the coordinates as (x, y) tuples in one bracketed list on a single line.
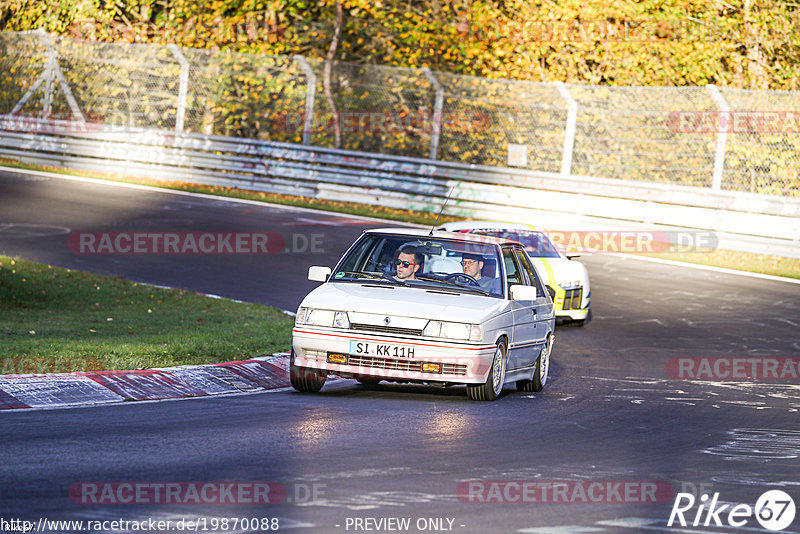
[(558, 301)]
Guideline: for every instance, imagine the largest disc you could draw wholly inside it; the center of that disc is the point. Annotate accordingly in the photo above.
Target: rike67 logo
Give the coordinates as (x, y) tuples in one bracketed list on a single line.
[(774, 510)]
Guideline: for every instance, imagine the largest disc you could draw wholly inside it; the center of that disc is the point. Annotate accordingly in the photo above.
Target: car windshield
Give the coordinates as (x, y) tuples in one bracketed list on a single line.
[(537, 244), (467, 265)]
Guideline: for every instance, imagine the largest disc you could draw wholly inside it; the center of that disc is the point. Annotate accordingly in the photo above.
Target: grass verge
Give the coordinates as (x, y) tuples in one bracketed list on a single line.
[(61, 320), (729, 259), (740, 261)]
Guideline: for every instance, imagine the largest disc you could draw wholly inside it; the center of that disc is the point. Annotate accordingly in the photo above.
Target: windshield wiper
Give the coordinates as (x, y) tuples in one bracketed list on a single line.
[(373, 276), (472, 288)]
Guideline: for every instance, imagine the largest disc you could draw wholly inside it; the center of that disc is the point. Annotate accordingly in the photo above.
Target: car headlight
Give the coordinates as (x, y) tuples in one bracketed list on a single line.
[(314, 317), (340, 320), (471, 332)]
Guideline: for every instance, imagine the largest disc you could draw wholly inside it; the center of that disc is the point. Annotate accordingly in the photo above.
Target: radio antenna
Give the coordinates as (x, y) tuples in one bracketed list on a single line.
[(441, 210)]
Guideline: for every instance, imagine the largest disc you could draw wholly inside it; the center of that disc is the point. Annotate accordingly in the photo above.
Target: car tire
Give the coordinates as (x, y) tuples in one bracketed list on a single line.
[(541, 371), (304, 379), (490, 390)]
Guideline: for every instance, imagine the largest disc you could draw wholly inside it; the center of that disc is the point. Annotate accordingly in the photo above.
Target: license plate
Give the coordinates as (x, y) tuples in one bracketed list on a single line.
[(370, 348)]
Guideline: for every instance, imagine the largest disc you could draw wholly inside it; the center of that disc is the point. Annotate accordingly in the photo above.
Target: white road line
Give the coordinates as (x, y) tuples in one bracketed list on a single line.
[(708, 268), (156, 189)]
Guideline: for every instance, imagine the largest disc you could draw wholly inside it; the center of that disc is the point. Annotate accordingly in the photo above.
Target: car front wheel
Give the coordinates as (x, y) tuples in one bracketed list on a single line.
[(490, 390), (304, 379)]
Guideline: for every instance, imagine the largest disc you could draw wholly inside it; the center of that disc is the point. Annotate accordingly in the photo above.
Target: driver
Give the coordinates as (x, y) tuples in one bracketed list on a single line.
[(408, 262), (473, 265)]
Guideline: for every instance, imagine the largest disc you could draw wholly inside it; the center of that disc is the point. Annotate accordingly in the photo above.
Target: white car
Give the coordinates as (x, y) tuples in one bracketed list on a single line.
[(400, 307), (568, 278)]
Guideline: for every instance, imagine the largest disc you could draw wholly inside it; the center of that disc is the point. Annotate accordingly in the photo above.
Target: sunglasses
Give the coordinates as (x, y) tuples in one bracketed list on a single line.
[(405, 263)]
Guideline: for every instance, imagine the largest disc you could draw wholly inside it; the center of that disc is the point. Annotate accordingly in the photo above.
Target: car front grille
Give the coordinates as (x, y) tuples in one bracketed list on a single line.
[(457, 369), (383, 363), (386, 329), (403, 365), (572, 299)]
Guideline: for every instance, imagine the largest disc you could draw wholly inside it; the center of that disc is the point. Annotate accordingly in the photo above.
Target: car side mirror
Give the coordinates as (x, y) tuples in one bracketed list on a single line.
[(318, 273), (551, 292), (573, 252), (520, 292)]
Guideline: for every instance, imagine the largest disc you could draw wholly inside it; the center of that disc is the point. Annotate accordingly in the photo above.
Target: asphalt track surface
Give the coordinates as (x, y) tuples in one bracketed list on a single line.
[(611, 412)]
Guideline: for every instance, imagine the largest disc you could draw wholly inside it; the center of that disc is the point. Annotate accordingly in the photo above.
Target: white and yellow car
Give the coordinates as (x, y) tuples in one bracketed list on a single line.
[(568, 278)]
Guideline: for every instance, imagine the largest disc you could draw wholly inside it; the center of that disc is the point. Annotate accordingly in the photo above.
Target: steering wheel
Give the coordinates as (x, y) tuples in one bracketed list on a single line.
[(455, 276)]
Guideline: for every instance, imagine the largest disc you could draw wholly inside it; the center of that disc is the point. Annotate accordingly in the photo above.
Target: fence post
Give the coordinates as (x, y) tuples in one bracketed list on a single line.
[(569, 130), (180, 116), (436, 128), (722, 137), (52, 71), (49, 75), (311, 94)]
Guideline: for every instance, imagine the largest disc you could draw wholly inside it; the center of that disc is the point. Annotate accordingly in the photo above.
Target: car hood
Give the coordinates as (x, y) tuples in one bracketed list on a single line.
[(560, 271), (389, 299)]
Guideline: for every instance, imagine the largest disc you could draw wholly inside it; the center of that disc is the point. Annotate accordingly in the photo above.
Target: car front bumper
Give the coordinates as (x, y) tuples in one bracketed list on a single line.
[(575, 315), (394, 358)]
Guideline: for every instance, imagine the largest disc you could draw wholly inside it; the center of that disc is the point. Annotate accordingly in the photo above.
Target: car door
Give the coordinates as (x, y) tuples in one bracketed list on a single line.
[(544, 311), (523, 314)]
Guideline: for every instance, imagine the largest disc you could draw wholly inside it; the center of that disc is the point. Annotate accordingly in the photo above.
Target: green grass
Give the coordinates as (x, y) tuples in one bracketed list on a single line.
[(743, 261), (62, 320)]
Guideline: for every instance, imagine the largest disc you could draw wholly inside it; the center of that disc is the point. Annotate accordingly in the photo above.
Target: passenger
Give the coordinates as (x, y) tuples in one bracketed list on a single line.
[(473, 266), (408, 263)]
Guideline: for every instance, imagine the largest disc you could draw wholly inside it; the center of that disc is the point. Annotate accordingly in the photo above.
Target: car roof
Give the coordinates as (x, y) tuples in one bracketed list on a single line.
[(421, 232), (484, 225)]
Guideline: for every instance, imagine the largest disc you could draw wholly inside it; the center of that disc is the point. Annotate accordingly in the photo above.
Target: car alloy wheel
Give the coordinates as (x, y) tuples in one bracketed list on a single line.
[(490, 390)]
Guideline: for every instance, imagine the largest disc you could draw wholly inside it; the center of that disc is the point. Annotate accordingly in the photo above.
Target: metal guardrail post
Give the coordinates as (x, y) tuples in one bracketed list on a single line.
[(569, 130), (311, 93), (722, 137), (436, 128), (183, 88)]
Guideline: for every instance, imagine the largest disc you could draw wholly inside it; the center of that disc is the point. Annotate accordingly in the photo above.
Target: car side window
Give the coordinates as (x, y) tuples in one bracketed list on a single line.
[(513, 274), (527, 266)]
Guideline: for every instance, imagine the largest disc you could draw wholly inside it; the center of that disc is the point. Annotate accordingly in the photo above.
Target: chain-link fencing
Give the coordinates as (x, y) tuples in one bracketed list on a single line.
[(707, 137)]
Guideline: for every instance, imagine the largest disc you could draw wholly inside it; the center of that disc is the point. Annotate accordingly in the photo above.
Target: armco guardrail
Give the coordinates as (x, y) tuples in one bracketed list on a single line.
[(401, 182)]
